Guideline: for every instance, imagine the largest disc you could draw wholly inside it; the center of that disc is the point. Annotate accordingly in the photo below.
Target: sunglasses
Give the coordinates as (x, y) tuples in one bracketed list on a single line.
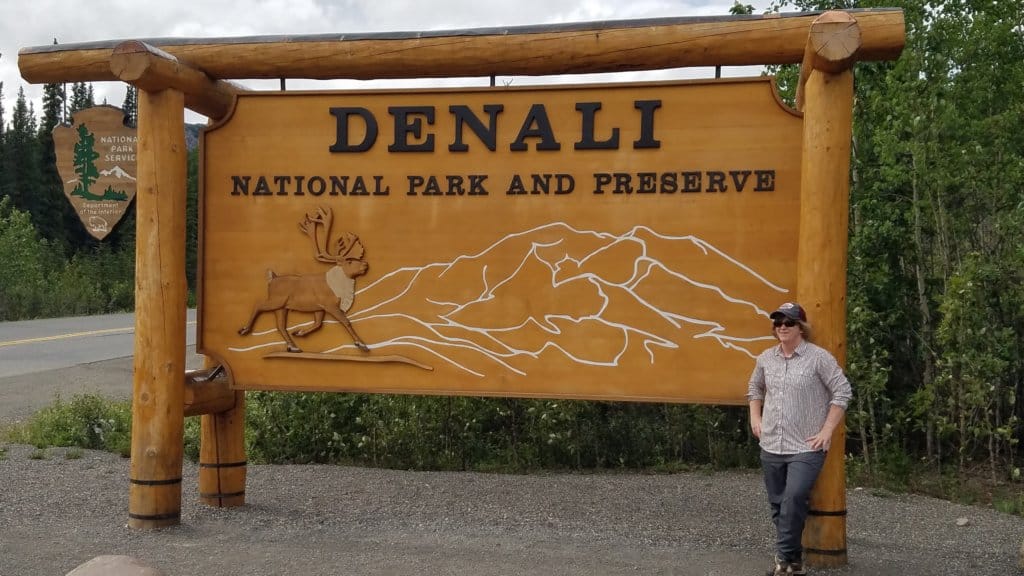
[(787, 323)]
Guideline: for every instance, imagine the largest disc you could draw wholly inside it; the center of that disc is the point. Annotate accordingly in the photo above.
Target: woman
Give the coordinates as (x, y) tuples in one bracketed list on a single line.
[(798, 394)]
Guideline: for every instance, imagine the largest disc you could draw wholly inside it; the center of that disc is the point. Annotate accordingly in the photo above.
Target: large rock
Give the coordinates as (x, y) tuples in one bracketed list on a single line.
[(114, 566)]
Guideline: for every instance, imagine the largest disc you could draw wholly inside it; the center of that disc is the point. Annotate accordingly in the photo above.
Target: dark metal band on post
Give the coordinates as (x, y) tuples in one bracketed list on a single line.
[(166, 482), (168, 516), (826, 512), (837, 552), (221, 494)]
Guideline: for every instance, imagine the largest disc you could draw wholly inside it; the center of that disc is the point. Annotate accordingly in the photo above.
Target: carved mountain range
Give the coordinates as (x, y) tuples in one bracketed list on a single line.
[(558, 294)]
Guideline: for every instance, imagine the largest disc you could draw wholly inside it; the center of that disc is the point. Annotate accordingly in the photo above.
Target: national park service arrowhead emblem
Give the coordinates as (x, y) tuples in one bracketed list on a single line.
[(96, 163)]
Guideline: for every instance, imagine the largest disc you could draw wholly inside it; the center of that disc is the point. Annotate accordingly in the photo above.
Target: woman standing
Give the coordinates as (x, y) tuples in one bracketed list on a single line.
[(798, 394)]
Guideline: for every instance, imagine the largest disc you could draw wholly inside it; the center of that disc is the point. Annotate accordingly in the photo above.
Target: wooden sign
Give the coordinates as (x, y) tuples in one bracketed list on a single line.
[(606, 242), (96, 163)]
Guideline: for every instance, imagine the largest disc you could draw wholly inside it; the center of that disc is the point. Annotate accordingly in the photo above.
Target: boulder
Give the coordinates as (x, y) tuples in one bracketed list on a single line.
[(114, 566)]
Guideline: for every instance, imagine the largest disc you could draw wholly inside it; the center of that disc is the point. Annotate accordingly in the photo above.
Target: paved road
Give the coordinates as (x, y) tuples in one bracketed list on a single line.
[(31, 346), (43, 359)]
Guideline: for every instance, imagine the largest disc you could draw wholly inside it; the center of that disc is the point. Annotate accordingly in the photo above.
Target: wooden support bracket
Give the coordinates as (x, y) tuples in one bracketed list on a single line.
[(149, 68), (208, 391)]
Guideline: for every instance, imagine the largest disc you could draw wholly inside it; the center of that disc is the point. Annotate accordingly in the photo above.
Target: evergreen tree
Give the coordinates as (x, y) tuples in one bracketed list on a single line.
[(3, 148), (51, 189), (22, 160), (85, 165), (81, 96), (131, 107)]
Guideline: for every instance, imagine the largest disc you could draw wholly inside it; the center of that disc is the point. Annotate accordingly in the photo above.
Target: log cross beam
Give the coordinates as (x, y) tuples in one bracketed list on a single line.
[(832, 47), (149, 68), (573, 48)]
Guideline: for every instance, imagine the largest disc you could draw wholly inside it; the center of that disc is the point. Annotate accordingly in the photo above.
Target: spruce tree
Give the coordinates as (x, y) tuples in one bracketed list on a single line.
[(22, 161), (51, 189), (131, 107), (81, 96), (3, 149)]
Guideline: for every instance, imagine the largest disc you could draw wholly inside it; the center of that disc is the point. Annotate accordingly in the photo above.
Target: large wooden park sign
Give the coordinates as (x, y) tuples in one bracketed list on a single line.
[(621, 241), (599, 242)]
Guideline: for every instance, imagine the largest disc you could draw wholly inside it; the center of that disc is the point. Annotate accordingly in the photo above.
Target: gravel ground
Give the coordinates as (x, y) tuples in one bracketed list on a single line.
[(58, 512)]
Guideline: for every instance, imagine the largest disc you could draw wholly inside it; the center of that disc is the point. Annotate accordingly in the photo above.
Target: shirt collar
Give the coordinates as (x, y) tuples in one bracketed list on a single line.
[(801, 348)]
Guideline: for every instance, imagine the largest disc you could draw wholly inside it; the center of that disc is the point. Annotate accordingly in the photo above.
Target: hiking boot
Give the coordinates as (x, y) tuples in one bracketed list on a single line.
[(797, 568), (779, 567)]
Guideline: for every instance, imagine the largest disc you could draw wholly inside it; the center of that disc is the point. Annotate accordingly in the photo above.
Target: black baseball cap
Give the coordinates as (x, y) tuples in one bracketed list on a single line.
[(790, 310)]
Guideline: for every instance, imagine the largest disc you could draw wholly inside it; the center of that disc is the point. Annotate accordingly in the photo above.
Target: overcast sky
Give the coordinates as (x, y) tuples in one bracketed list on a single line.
[(26, 23)]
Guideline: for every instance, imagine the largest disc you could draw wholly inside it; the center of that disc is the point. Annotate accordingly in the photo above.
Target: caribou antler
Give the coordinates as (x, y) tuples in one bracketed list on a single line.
[(311, 224), (349, 247)]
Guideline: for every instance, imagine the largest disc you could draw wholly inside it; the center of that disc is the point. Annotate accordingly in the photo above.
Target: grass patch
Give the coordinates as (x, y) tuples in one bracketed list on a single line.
[(3, 453), (86, 421), (972, 485), (37, 454), (74, 453)]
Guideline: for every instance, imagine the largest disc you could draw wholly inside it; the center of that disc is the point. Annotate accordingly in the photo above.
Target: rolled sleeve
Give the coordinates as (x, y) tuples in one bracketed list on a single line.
[(836, 382), (756, 386)]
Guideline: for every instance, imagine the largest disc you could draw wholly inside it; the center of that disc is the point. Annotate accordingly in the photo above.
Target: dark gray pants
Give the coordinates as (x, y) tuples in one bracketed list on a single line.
[(788, 479)]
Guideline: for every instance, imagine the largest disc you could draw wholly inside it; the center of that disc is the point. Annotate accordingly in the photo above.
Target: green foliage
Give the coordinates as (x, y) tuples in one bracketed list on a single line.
[(936, 304), (457, 433), (35, 280), (87, 421), (24, 259), (131, 106), (192, 438), (738, 9), (81, 96)]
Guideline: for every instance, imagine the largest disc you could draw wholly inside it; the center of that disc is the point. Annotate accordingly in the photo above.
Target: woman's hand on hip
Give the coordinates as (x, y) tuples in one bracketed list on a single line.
[(820, 441)]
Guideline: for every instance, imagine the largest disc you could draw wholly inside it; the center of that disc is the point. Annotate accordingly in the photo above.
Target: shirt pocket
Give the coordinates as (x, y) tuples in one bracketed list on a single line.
[(774, 376), (804, 378)]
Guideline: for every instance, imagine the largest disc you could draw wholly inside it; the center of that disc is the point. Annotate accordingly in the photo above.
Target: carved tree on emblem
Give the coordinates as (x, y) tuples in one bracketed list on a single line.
[(85, 167)]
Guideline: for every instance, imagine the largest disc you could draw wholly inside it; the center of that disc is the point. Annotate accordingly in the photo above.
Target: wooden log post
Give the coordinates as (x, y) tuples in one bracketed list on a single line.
[(160, 293), (827, 99), (222, 463)]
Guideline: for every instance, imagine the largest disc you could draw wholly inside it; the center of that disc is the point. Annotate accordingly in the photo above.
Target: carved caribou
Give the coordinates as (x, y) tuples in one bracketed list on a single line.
[(331, 293)]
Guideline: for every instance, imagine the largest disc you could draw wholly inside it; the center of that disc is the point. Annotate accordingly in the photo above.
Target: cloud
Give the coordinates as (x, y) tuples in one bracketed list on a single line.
[(24, 24)]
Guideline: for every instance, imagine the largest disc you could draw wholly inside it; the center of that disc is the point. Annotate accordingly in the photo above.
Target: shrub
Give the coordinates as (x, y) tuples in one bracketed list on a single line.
[(87, 421)]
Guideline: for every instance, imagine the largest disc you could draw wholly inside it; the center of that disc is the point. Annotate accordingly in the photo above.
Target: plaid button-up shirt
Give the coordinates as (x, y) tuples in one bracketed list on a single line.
[(797, 392)]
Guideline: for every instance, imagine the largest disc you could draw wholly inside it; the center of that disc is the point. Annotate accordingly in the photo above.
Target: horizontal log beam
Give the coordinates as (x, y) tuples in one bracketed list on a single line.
[(208, 391), (149, 68), (613, 46)]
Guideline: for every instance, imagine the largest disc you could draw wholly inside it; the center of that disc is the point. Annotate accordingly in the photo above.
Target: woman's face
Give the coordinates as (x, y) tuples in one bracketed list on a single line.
[(787, 331)]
